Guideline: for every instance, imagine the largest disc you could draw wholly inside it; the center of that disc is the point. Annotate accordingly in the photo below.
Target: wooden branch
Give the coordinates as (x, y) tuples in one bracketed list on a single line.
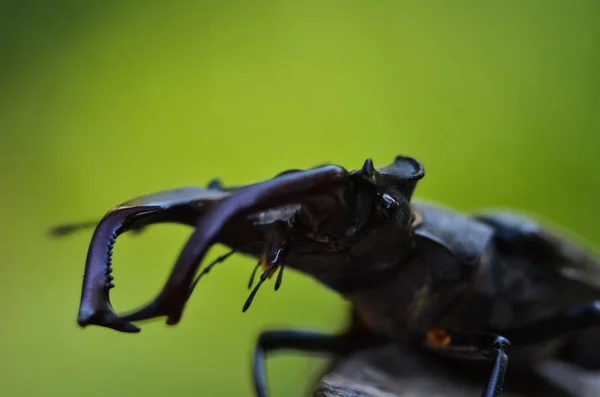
[(391, 372)]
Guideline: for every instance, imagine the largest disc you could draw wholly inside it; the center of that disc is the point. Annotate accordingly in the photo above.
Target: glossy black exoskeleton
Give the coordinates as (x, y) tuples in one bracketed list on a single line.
[(485, 286)]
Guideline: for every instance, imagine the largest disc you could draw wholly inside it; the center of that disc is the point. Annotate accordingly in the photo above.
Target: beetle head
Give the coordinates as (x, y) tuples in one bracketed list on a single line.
[(383, 195), (367, 237), (370, 199), (340, 227)]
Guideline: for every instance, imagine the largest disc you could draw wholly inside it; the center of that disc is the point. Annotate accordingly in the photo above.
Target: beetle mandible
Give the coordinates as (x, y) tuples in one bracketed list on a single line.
[(488, 285)]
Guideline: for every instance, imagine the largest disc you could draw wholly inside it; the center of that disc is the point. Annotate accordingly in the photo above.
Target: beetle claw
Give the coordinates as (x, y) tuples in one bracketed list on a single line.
[(95, 307), (105, 318)]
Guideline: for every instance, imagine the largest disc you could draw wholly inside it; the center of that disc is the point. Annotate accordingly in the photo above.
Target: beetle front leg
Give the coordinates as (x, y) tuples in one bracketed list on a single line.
[(300, 340)]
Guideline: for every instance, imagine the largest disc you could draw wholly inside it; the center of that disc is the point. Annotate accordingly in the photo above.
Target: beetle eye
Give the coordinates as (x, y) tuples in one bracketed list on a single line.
[(389, 203)]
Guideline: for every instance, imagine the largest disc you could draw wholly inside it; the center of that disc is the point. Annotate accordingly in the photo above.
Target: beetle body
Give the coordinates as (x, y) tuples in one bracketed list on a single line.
[(489, 278), (466, 286)]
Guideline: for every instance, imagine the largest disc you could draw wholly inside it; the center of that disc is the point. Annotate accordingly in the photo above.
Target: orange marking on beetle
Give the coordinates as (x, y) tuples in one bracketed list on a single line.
[(438, 337)]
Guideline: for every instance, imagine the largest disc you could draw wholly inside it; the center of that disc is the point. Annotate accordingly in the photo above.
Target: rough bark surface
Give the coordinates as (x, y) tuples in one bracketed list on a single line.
[(390, 372)]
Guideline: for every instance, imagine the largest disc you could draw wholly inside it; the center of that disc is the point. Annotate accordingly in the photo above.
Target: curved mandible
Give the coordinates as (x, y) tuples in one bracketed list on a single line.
[(177, 206), (95, 306), (285, 189)]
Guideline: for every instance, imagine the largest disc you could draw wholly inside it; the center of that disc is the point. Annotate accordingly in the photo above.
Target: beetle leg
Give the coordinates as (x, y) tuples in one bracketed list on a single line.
[(575, 319), (474, 345), (580, 354), (498, 351), (300, 340), (580, 318)]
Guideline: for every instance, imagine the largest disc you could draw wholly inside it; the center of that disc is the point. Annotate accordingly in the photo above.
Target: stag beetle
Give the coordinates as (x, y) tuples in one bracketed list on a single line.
[(482, 286)]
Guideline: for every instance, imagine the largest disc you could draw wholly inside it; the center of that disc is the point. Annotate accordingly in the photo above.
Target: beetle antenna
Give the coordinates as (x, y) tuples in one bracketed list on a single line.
[(208, 268), (254, 273), (263, 277), (279, 277)]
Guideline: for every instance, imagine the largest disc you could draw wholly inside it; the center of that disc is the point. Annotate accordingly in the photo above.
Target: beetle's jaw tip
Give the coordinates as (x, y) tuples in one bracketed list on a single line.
[(105, 319), (173, 320)]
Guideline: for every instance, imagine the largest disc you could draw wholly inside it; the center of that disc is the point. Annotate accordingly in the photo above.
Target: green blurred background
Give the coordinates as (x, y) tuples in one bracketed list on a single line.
[(104, 101)]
